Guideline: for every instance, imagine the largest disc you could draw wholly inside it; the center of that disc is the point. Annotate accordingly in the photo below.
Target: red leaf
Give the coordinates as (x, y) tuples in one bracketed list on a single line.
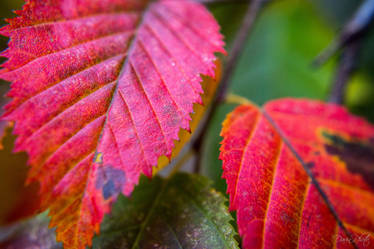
[(277, 205), (100, 91)]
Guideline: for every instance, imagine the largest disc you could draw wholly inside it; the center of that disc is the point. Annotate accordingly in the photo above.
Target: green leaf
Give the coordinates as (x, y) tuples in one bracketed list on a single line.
[(180, 212)]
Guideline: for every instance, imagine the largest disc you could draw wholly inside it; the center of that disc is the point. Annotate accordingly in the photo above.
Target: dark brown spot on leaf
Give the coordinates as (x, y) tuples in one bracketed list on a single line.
[(357, 154)]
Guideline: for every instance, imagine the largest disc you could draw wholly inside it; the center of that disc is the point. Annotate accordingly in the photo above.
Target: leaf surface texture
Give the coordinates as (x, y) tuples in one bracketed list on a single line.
[(277, 205), (100, 90)]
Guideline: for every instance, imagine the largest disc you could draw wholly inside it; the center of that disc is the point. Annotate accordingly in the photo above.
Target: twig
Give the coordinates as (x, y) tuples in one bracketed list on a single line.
[(239, 42), (345, 68), (356, 27), (181, 162), (198, 156)]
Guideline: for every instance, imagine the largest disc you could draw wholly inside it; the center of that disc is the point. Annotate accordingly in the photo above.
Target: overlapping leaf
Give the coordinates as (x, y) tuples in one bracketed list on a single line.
[(277, 205), (100, 90), (180, 212)]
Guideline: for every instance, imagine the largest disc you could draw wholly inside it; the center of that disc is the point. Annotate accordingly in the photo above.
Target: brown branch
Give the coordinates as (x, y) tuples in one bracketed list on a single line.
[(349, 41), (354, 30), (238, 45), (347, 64)]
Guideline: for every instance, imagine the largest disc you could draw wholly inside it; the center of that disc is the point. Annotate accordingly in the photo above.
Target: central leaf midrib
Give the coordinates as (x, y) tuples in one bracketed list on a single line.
[(122, 71), (125, 61)]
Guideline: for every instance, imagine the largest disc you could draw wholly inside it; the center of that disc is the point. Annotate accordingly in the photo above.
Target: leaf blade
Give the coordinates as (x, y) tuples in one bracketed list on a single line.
[(97, 81), (285, 196)]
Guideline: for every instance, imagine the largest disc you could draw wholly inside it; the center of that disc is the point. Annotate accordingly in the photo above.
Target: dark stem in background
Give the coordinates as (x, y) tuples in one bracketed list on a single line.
[(349, 41), (353, 30), (346, 67), (238, 45)]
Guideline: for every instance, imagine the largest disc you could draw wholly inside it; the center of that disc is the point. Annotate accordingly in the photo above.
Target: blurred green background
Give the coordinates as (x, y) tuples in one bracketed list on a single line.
[(276, 61)]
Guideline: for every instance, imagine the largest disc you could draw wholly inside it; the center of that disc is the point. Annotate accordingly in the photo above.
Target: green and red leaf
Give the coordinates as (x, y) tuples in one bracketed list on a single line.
[(277, 204), (100, 90)]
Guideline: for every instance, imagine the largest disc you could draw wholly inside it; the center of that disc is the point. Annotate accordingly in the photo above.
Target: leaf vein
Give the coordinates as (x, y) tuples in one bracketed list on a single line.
[(65, 110), (176, 34), (133, 124), (161, 78), (60, 21), (149, 102), (165, 48), (73, 47), (275, 168), (255, 127)]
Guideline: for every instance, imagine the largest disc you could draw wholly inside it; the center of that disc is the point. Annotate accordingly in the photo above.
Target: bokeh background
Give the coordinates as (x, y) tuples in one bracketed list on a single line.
[(276, 62)]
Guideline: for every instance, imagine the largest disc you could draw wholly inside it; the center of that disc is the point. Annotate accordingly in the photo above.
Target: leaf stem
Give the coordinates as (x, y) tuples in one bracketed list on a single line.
[(247, 24), (237, 100), (346, 67), (349, 41), (354, 29), (181, 162)]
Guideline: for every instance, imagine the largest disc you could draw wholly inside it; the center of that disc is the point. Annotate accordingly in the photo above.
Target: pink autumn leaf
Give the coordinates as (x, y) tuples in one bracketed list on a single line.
[(100, 90)]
